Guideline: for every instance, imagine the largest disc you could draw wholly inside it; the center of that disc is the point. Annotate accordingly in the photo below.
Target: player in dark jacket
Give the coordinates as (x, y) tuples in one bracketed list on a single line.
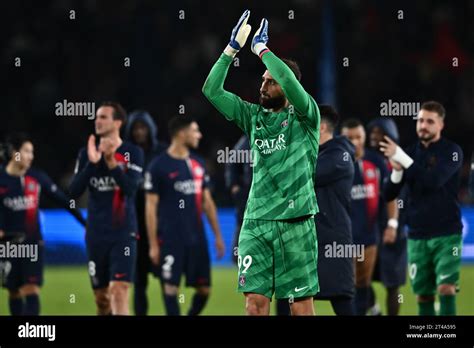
[(333, 186), (430, 168), (391, 264), (238, 179), (142, 131), (21, 189)]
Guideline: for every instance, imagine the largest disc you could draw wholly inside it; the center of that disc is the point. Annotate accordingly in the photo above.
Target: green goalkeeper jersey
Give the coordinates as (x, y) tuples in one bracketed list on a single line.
[(284, 144)]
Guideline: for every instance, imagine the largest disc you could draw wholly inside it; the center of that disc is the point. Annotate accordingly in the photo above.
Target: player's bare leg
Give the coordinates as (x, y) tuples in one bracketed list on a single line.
[(447, 289), (256, 304), (365, 269), (29, 289), (102, 301), (30, 292), (304, 306), (119, 297), (14, 294), (199, 300), (363, 275)]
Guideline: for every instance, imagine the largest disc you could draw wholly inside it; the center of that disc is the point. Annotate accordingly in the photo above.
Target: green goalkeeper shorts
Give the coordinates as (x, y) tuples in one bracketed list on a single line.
[(433, 262), (278, 256)]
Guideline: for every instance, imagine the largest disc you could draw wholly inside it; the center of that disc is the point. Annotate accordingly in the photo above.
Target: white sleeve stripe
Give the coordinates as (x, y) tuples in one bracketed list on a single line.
[(134, 167)]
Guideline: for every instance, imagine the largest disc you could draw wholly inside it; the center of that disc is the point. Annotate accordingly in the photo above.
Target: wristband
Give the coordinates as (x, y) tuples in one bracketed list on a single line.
[(392, 223), (396, 176)]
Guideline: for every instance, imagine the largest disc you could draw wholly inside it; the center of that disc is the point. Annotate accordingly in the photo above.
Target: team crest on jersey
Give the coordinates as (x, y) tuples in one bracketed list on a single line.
[(370, 173), (198, 171), (432, 161), (242, 280), (284, 123), (31, 186)]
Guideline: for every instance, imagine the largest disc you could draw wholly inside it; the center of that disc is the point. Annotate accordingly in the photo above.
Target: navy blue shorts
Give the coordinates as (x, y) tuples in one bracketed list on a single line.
[(365, 238), (391, 266), (177, 259), (18, 271), (111, 260)]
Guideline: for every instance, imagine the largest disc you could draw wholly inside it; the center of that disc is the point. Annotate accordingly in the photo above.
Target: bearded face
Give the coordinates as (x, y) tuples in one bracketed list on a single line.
[(271, 94)]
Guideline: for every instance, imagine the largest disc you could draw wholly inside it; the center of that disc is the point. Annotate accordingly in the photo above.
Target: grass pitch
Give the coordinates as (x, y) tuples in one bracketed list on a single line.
[(67, 292)]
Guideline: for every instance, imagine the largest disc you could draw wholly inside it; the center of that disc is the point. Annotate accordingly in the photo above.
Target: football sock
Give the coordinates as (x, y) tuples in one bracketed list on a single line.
[(16, 305), (447, 304), (283, 307), (171, 304), (199, 301), (362, 300), (343, 306), (140, 299), (426, 308), (32, 305), (393, 306)]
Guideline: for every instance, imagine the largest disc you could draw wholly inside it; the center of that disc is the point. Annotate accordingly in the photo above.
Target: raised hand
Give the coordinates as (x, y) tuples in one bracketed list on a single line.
[(239, 35), (260, 39), (93, 154)]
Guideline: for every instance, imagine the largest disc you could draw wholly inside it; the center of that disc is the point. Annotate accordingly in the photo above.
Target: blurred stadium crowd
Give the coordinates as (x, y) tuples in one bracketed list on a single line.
[(80, 56)]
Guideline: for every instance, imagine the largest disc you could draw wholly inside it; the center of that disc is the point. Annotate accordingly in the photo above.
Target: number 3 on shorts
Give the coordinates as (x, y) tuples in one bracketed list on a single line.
[(246, 262)]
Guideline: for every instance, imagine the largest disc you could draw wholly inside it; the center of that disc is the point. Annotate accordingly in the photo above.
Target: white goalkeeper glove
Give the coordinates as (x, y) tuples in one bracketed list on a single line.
[(239, 35)]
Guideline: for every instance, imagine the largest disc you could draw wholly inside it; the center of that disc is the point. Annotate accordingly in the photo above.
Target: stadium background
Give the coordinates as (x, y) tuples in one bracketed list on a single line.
[(82, 60)]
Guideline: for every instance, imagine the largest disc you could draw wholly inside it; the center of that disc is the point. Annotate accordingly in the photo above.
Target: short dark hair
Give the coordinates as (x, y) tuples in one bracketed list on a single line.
[(119, 111), (13, 143), (178, 123), (16, 140), (294, 67), (329, 115), (351, 123), (434, 106)]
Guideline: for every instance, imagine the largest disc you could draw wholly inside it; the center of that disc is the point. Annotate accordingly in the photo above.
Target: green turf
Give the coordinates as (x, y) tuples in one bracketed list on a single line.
[(67, 292)]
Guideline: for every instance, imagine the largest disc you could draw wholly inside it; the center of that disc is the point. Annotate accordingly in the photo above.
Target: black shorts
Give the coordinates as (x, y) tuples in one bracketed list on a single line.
[(111, 260), (18, 271), (177, 259)]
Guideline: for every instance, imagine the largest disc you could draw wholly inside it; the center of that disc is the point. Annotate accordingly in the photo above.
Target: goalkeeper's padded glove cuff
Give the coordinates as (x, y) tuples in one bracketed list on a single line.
[(260, 39), (230, 51), (261, 49), (401, 157)]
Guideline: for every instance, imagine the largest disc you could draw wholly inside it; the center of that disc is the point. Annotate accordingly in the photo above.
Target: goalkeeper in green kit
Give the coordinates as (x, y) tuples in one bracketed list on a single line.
[(277, 252)]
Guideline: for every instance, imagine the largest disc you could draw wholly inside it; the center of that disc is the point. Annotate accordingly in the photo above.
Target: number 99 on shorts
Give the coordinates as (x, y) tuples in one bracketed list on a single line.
[(246, 261)]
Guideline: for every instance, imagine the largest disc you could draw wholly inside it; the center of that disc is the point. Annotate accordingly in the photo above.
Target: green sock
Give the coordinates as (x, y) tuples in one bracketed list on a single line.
[(447, 305), (426, 308)]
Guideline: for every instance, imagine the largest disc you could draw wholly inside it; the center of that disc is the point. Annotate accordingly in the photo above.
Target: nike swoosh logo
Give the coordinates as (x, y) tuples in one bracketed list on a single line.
[(444, 276), (299, 289), (120, 275)]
